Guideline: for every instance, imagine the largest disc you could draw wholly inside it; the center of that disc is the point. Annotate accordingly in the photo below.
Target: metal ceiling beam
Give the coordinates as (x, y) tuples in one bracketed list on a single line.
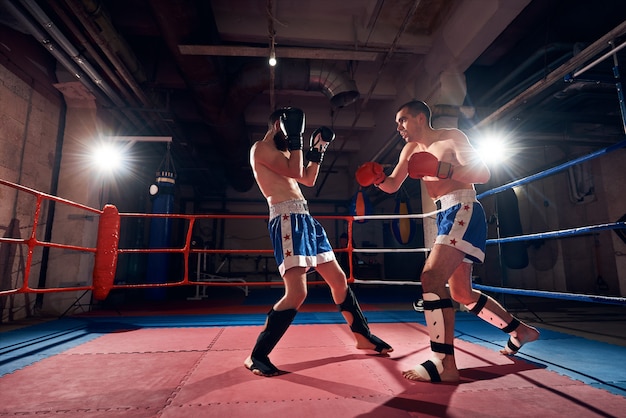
[(281, 52), (566, 69)]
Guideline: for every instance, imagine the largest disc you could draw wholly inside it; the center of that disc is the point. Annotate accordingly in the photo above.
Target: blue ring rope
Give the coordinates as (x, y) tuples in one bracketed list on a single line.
[(552, 170), (554, 295), (562, 233)]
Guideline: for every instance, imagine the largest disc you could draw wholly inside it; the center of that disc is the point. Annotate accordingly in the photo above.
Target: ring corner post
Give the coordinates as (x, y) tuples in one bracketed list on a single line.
[(105, 264)]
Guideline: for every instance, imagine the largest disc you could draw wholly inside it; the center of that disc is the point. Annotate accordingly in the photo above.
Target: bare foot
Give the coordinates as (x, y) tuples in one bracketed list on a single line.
[(269, 369), (523, 334), (363, 343), (419, 374)]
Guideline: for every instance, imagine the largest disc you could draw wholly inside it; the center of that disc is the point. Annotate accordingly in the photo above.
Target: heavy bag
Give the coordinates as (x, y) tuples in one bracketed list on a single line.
[(403, 229), (361, 205)]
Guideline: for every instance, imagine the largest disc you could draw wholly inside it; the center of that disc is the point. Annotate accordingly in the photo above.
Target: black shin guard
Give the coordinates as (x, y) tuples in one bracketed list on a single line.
[(359, 322), (277, 324)]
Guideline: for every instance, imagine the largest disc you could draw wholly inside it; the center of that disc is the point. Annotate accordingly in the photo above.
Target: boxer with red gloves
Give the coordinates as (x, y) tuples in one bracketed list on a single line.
[(448, 166)]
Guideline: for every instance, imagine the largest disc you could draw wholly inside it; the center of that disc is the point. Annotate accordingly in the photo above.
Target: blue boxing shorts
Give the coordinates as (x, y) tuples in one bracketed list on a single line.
[(298, 239), (461, 224)]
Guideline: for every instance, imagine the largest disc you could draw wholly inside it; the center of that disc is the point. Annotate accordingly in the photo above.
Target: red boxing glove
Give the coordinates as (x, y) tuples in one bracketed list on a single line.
[(370, 173), (425, 164)]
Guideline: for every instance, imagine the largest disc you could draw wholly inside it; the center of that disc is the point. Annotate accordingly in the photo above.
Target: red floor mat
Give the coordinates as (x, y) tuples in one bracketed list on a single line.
[(185, 372)]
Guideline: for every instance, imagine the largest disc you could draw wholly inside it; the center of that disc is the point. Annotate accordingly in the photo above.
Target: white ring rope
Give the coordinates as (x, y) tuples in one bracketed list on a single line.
[(390, 250), (409, 216)]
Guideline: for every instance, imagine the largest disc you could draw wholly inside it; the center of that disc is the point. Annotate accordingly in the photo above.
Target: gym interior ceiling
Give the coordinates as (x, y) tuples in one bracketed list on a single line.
[(197, 70)]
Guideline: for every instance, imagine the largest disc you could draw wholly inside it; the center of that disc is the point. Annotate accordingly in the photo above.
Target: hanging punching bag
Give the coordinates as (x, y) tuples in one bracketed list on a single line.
[(160, 232), (403, 229), (361, 205), (514, 254)]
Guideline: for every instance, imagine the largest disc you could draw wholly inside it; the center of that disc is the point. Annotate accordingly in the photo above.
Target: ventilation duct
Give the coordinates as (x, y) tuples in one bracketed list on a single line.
[(336, 85), (253, 79)]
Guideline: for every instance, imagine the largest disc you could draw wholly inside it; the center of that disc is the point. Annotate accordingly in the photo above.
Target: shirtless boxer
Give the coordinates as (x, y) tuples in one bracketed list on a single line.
[(449, 167), (299, 241)]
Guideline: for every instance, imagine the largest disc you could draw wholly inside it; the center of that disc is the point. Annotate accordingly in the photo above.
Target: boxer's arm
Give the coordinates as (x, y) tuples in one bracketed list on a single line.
[(320, 139), (400, 172), (310, 173), (276, 161)]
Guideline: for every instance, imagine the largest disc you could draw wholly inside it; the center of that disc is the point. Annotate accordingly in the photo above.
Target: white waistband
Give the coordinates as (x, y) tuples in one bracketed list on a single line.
[(456, 197), (289, 206)]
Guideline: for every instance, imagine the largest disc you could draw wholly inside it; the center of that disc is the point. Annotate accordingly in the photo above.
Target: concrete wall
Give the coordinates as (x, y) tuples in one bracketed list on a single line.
[(29, 124)]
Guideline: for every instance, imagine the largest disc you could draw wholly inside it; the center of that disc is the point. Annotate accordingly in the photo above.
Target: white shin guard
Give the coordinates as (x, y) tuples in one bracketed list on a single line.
[(485, 314), (433, 313)]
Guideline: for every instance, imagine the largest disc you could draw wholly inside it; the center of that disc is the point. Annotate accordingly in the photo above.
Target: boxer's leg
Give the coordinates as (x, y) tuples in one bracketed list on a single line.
[(359, 323), (487, 309), (275, 327), (431, 370)]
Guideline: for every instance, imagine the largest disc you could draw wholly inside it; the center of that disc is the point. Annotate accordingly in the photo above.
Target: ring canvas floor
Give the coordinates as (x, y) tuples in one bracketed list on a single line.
[(184, 362)]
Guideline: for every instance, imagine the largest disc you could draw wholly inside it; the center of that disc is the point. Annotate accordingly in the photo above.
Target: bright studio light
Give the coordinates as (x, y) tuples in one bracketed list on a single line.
[(108, 157), (493, 150)]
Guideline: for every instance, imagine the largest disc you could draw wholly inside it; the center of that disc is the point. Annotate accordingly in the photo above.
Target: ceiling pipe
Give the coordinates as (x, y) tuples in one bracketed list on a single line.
[(99, 28), (511, 107), (97, 24), (537, 55), (67, 55), (84, 43), (71, 51), (59, 54), (520, 86), (77, 65), (95, 18)]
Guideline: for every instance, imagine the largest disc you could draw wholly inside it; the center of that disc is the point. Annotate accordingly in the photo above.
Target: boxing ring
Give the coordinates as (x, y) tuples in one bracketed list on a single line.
[(192, 365), (107, 251), (166, 364)]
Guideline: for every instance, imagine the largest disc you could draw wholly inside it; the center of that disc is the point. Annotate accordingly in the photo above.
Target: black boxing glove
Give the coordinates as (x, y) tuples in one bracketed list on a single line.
[(320, 139), (292, 125)]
